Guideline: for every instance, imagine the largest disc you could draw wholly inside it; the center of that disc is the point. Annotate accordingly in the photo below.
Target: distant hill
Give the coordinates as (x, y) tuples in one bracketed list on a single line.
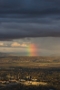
[(4, 54), (24, 61)]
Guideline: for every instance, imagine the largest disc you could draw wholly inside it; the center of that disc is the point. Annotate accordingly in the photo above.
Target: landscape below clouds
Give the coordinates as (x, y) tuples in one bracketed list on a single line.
[(29, 62)]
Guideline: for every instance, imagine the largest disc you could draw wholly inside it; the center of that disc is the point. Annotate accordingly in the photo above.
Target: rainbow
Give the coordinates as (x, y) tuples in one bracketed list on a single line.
[(32, 50)]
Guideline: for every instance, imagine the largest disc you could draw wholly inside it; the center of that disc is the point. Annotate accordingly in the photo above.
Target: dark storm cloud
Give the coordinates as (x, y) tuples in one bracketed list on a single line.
[(30, 6), (29, 27), (29, 18)]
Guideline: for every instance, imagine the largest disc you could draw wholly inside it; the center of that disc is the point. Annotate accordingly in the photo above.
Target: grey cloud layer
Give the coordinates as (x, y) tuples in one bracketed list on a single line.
[(29, 27), (30, 6), (29, 18)]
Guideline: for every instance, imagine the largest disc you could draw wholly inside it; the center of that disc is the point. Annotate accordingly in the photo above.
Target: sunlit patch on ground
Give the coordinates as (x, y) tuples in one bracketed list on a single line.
[(34, 83)]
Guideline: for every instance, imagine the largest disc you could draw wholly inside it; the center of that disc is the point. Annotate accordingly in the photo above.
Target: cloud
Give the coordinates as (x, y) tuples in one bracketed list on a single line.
[(30, 6), (15, 44), (10, 49), (1, 44), (29, 18), (43, 46), (29, 27), (24, 45)]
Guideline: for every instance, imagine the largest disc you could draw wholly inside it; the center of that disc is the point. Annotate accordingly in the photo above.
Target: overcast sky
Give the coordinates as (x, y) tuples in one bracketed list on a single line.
[(27, 22)]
